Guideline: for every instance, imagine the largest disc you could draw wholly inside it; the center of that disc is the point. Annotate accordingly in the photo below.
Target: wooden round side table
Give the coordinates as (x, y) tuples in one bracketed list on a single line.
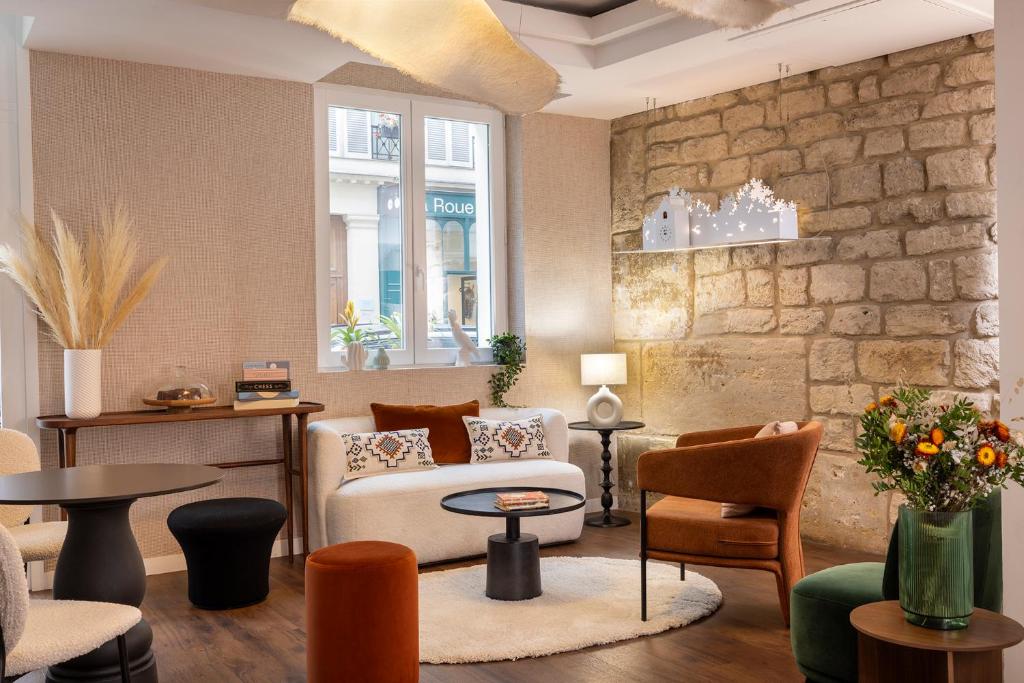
[(890, 649)]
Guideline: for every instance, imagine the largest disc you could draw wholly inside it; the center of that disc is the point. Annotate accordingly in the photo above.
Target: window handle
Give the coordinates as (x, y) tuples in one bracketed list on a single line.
[(419, 278)]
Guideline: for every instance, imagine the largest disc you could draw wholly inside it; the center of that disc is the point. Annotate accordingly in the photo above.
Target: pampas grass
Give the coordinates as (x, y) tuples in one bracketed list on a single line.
[(78, 288)]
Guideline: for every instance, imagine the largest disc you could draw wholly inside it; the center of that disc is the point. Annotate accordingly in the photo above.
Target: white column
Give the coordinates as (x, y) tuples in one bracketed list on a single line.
[(1010, 136)]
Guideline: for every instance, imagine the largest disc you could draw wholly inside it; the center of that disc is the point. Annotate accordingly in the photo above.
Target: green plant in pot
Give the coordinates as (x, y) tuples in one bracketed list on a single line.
[(944, 459), (509, 351)]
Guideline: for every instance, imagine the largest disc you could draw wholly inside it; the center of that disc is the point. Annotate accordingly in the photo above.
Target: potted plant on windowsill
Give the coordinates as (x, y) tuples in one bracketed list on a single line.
[(352, 337), (944, 459), (77, 289)]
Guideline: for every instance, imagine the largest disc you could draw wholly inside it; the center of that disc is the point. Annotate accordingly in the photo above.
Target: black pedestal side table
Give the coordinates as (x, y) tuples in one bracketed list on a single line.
[(513, 558), (605, 518), (100, 559)]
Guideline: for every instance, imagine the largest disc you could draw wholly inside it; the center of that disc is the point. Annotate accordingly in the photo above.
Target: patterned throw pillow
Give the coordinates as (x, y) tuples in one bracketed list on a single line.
[(386, 452), (492, 440)]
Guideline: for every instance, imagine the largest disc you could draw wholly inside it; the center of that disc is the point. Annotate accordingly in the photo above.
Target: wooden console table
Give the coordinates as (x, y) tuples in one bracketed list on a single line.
[(67, 437)]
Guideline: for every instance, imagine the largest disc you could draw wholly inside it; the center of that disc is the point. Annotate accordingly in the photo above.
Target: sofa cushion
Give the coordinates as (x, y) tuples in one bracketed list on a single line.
[(406, 507), (492, 440), (447, 435), (374, 453), (696, 527)]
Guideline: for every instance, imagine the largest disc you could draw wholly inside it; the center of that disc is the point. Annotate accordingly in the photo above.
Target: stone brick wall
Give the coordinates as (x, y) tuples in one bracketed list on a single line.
[(892, 163)]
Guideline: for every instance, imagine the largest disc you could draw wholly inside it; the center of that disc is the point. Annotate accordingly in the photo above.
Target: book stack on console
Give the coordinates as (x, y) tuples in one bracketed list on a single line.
[(521, 500), (265, 385)]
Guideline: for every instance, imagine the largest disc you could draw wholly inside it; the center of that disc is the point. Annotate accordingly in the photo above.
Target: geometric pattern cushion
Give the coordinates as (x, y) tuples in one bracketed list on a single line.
[(386, 452), (492, 440)]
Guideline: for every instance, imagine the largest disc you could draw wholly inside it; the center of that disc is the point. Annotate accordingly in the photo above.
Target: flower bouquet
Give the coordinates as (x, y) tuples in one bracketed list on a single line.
[(944, 459)]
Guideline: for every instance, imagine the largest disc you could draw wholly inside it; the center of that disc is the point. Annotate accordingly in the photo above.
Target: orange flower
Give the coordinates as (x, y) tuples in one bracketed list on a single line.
[(888, 401), (1002, 432), (1001, 459), (898, 431), (871, 407), (937, 436), (926, 449), (986, 455)]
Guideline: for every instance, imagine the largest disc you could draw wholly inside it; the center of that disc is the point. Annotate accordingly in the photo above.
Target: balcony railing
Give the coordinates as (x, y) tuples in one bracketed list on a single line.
[(386, 142)]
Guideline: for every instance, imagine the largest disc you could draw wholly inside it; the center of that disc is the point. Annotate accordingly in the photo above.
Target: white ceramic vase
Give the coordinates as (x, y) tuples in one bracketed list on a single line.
[(355, 356), (83, 383), (604, 409)]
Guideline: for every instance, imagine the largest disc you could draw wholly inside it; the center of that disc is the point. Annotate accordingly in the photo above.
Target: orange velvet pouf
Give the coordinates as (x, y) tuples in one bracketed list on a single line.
[(362, 614)]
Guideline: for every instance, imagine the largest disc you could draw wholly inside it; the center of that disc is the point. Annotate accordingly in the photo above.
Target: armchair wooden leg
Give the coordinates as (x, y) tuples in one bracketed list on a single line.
[(643, 555), (682, 571), (122, 654), (783, 586)]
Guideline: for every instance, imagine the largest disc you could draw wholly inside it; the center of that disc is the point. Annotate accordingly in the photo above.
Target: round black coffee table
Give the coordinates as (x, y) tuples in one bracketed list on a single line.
[(100, 559), (513, 558)]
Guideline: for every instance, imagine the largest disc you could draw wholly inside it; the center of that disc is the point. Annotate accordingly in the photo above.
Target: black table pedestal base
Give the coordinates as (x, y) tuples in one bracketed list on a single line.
[(513, 564), (605, 520), (100, 560), (101, 665)]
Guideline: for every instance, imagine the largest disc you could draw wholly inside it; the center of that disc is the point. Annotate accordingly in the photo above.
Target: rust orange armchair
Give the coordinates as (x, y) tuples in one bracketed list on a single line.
[(728, 466)]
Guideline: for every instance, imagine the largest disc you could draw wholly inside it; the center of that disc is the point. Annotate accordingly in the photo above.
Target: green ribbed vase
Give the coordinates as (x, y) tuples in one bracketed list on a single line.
[(937, 568)]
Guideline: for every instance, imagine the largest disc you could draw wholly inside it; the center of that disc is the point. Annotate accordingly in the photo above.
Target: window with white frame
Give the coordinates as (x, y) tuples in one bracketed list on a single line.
[(410, 224)]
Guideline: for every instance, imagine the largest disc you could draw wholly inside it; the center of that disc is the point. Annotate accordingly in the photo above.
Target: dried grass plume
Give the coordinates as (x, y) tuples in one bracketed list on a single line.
[(77, 288)]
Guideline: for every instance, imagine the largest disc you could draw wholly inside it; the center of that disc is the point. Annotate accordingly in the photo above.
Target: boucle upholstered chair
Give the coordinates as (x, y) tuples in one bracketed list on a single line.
[(39, 633), (39, 541), (728, 466)]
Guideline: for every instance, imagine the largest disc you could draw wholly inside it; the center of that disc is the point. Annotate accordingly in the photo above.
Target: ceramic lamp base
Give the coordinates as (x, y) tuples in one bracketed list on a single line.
[(604, 409)]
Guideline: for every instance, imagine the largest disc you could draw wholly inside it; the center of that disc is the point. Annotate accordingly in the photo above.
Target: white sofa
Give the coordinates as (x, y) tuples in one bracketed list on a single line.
[(406, 507)]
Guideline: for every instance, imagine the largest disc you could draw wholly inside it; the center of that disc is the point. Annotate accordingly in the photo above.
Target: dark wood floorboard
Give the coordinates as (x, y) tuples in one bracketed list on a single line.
[(745, 640)]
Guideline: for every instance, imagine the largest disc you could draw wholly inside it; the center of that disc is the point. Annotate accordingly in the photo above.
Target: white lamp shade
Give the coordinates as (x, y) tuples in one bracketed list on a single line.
[(602, 368)]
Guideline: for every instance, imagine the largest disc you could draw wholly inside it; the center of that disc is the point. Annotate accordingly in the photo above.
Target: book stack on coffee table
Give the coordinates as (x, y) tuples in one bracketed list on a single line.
[(265, 385), (521, 500)]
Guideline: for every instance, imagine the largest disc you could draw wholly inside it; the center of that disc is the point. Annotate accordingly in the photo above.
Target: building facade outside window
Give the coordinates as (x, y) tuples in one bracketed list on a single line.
[(410, 223)]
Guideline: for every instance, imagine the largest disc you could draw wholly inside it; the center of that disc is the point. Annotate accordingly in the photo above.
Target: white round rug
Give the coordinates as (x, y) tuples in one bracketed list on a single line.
[(586, 601)]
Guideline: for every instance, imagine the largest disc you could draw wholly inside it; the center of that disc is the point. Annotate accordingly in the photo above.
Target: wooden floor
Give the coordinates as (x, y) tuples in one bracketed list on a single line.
[(743, 641)]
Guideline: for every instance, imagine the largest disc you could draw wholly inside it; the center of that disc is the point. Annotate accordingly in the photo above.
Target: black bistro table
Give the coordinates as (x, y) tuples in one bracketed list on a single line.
[(605, 518), (513, 558), (100, 559)]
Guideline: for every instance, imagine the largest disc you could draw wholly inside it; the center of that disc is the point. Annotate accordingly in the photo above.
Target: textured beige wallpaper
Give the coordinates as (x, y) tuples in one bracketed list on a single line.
[(217, 170)]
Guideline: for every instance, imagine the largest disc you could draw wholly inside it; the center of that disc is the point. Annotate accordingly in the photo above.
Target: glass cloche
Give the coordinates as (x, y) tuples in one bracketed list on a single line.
[(179, 391)]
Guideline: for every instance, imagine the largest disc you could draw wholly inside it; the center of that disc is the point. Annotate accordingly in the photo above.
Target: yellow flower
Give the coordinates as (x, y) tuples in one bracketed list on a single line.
[(937, 436), (871, 407), (898, 431), (926, 449), (986, 455), (888, 400)]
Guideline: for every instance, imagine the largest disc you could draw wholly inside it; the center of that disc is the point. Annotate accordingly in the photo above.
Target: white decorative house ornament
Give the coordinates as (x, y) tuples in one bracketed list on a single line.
[(753, 214), (668, 227), (467, 348)]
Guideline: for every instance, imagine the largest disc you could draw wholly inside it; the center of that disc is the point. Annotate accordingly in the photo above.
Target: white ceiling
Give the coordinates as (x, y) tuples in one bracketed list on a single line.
[(609, 63)]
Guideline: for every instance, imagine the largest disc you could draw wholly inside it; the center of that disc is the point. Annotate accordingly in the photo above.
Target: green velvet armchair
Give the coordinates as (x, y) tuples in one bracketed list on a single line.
[(824, 642)]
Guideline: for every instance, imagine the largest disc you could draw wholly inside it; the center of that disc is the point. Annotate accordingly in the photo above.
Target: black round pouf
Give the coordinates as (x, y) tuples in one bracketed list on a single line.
[(227, 544)]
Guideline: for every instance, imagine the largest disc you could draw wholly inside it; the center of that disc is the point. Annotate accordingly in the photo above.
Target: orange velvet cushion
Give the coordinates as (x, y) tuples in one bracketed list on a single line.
[(448, 438)]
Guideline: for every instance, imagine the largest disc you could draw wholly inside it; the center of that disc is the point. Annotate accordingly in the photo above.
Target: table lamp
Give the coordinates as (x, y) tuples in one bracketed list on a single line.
[(604, 409)]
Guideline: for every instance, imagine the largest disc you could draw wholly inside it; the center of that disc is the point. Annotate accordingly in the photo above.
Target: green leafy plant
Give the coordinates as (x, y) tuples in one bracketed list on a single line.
[(394, 324), (509, 352), (941, 457)]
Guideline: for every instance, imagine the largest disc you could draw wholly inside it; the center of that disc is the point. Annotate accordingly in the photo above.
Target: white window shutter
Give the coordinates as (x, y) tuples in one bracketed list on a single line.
[(332, 129), (436, 147), (462, 152), (357, 133)]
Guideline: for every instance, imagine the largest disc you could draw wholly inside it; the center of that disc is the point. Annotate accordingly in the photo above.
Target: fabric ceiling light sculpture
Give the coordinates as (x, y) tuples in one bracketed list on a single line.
[(731, 13), (457, 45)]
